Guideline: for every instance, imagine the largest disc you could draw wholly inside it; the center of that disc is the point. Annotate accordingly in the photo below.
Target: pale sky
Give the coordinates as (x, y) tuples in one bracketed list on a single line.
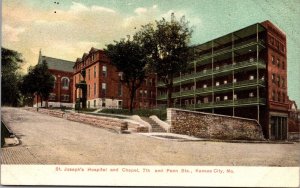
[(78, 25)]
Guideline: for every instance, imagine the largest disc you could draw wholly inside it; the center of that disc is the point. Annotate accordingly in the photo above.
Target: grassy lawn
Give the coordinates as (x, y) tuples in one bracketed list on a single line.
[(160, 113)]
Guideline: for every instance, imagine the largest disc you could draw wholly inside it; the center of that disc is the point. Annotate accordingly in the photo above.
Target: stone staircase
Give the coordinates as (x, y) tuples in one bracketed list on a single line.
[(154, 125)]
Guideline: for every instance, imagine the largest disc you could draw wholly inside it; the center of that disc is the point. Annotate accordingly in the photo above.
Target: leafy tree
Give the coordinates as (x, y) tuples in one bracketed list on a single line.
[(10, 63), (130, 59), (166, 42), (38, 81)]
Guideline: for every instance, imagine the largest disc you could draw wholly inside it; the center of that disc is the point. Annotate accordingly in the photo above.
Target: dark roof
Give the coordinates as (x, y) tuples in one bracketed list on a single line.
[(58, 64)]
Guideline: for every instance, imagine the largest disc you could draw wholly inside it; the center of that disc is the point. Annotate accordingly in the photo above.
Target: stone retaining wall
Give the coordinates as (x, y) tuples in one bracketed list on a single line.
[(98, 121), (213, 126), (115, 124)]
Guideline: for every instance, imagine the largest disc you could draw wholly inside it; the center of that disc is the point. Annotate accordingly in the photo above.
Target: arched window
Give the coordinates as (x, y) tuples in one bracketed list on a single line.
[(65, 82), (54, 83)]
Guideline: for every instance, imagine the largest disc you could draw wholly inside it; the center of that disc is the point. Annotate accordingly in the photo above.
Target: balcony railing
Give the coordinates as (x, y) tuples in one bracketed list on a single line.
[(229, 103), (222, 69), (224, 87), (225, 50)]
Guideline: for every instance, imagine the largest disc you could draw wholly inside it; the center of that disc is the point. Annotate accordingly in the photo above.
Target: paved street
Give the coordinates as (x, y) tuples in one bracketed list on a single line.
[(50, 140)]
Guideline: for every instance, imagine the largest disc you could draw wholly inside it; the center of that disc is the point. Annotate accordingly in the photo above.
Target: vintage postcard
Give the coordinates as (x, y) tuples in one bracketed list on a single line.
[(150, 93)]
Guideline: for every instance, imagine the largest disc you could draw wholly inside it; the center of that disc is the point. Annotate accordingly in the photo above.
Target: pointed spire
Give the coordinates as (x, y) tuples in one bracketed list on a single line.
[(40, 56)]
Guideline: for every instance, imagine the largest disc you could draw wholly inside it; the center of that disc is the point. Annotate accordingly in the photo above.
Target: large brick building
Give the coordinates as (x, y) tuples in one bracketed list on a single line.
[(62, 72), (104, 86), (243, 73)]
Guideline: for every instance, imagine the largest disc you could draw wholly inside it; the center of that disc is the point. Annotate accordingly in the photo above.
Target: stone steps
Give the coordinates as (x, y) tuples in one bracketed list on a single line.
[(154, 125)]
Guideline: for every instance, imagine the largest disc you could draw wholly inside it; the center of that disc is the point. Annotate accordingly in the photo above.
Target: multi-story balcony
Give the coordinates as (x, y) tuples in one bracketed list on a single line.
[(234, 47), (242, 85), (228, 103), (223, 70)]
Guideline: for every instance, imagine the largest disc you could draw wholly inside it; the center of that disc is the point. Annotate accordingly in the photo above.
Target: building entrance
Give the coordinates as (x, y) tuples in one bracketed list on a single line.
[(278, 128)]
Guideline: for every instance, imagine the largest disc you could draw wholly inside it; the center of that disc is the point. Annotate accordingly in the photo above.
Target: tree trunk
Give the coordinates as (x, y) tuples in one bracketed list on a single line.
[(170, 90), (132, 93), (41, 101), (46, 103), (37, 100), (169, 102)]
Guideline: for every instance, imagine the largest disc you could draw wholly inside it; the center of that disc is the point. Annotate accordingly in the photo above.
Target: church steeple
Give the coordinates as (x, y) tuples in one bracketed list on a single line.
[(40, 56)]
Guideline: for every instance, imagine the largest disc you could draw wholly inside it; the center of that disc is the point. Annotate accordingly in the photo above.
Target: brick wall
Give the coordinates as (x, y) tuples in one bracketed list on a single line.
[(213, 126)]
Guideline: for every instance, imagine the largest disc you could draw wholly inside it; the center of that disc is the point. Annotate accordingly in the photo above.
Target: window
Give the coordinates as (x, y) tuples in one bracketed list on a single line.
[(251, 77), (251, 94), (234, 80), (65, 98), (52, 96), (225, 81), (141, 93), (104, 71), (278, 63), (283, 65), (95, 89), (94, 103), (103, 89), (89, 74), (251, 59), (103, 103), (278, 81), (54, 83), (95, 72), (65, 82), (145, 92), (186, 102), (272, 40), (217, 99), (119, 89), (217, 83), (273, 95), (217, 67), (278, 96), (277, 44), (205, 100), (283, 97), (273, 61), (234, 96), (225, 98), (204, 86), (282, 82), (120, 75), (89, 90), (199, 101), (273, 78), (204, 70)]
